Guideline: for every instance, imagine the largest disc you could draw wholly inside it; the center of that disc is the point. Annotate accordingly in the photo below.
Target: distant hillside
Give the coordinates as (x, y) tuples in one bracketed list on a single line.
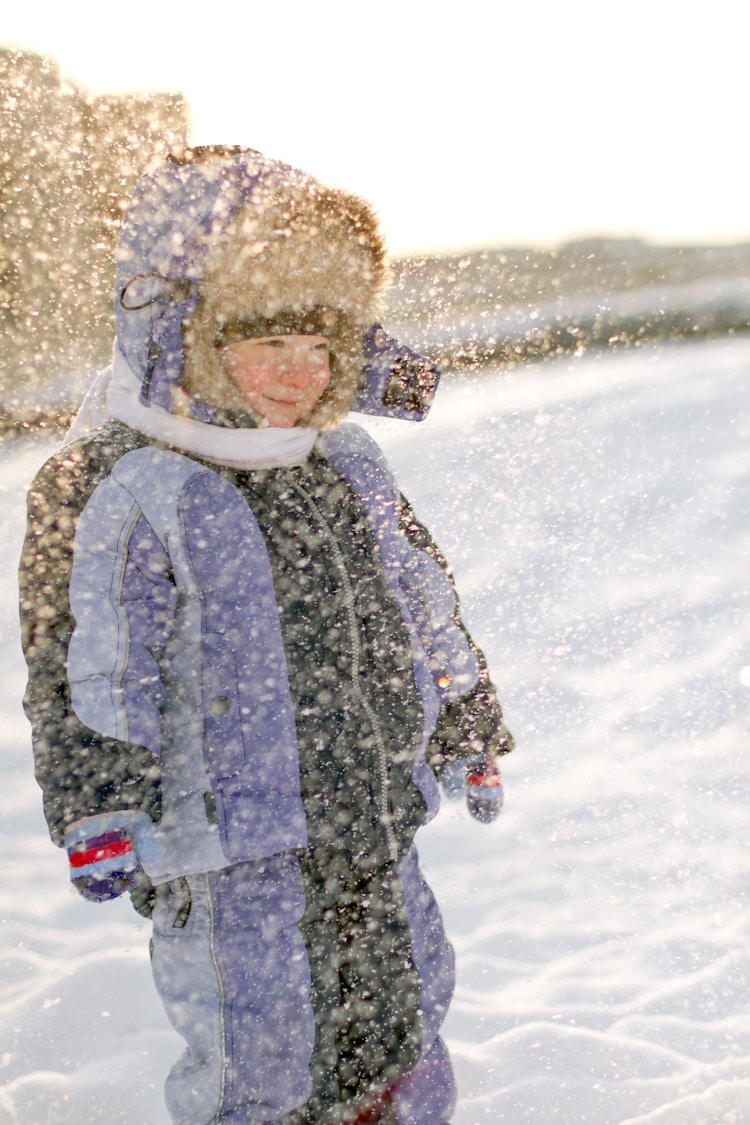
[(514, 305)]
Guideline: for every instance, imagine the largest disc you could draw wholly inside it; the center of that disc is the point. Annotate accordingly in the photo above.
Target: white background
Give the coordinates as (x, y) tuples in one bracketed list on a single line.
[(471, 124)]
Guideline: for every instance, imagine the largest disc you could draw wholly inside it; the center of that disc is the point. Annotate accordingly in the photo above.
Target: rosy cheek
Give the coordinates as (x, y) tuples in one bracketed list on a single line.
[(249, 377)]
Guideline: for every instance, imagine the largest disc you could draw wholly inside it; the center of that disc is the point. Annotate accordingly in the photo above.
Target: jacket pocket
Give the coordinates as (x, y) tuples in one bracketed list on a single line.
[(172, 908)]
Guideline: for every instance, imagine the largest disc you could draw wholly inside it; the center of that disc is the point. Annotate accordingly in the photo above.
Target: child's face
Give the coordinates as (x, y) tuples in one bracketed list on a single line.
[(281, 377)]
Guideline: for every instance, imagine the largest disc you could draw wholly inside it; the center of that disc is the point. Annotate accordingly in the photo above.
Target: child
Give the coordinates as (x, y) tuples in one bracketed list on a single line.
[(245, 654)]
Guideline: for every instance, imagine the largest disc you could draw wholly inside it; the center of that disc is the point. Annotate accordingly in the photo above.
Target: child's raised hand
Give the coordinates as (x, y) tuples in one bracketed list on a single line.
[(105, 852)]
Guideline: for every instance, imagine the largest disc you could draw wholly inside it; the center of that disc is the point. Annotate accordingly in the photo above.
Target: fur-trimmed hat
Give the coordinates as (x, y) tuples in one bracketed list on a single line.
[(304, 258)]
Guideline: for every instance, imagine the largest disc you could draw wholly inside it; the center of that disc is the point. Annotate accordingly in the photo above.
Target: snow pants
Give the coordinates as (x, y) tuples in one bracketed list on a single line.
[(307, 992)]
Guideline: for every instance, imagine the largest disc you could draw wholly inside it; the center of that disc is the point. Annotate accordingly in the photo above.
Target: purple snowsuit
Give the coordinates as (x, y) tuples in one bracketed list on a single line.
[(264, 661)]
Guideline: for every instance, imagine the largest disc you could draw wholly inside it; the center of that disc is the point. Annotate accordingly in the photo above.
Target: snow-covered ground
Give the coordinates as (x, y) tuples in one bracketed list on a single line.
[(597, 513)]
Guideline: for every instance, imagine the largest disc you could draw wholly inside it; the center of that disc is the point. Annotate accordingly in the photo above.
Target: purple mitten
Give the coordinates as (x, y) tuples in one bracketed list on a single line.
[(105, 852)]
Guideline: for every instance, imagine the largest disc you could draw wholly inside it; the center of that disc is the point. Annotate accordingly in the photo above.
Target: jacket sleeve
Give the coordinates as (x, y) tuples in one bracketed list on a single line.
[(82, 771), (473, 722)]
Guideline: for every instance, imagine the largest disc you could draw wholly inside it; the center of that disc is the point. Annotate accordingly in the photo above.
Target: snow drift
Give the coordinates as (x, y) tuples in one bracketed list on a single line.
[(597, 514)]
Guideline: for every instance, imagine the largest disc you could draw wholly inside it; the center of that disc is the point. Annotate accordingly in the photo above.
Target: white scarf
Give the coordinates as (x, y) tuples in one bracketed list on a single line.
[(115, 393)]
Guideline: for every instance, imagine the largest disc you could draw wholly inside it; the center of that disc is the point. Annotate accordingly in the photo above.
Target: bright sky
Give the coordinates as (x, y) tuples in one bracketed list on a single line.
[(467, 124)]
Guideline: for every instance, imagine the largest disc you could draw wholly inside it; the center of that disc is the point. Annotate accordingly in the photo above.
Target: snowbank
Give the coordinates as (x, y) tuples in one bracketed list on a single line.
[(597, 513)]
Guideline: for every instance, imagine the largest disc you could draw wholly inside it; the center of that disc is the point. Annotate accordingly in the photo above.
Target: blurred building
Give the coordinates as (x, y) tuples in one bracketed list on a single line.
[(68, 162)]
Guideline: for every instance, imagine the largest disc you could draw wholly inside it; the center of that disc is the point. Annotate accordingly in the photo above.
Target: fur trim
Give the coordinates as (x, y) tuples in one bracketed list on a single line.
[(304, 247)]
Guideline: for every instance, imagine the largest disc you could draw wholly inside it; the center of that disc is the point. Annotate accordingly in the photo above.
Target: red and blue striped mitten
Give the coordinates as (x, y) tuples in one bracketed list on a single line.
[(484, 788), (479, 780), (105, 852)]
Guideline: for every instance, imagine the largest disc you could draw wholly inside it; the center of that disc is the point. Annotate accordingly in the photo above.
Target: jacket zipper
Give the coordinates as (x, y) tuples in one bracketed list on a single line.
[(222, 997), (385, 815)]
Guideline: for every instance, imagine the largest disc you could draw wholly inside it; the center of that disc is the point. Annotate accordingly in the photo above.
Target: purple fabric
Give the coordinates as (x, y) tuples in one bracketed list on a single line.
[(396, 381), (269, 1019), (148, 599), (115, 686), (427, 1095), (251, 742), (233, 975)]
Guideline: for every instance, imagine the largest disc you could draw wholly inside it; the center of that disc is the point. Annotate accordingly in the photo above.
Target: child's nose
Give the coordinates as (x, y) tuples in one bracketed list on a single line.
[(299, 369)]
